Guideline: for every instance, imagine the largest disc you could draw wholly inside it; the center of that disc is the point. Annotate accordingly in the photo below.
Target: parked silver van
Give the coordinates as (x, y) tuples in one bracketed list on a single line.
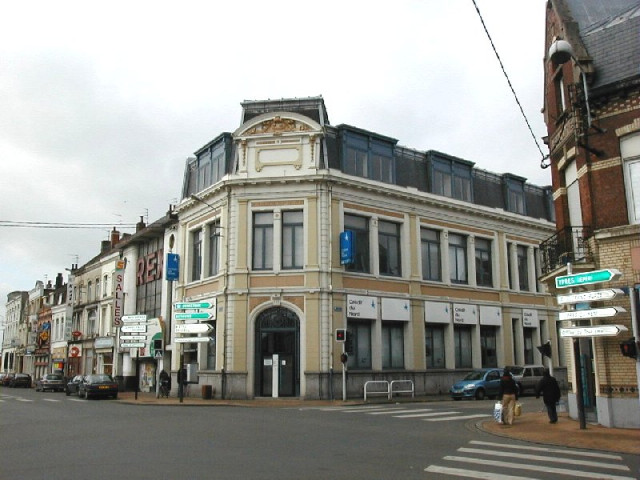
[(526, 376)]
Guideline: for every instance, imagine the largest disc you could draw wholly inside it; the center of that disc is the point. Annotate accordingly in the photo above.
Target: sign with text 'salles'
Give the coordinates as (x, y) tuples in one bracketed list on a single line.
[(118, 293)]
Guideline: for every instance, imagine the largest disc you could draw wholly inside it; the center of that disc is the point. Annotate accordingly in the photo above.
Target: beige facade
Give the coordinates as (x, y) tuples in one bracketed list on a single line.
[(263, 245)]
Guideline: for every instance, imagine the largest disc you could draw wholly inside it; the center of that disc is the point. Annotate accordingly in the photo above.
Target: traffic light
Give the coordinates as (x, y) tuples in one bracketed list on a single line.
[(341, 335), (628, 348), (545, 349)]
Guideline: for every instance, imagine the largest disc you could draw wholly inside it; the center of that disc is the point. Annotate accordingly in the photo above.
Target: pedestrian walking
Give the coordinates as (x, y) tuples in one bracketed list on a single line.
[(550, 390), (509, 392)]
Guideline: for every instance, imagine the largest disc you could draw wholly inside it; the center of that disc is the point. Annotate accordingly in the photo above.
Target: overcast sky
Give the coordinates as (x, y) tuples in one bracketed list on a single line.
[(102, 102)]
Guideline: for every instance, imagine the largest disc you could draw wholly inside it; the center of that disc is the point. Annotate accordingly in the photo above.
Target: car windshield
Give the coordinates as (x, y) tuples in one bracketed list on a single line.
[(474, 376), (54, 377), (516, 370)]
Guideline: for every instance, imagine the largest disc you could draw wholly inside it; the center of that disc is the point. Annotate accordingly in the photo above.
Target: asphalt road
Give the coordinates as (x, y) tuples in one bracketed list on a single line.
[(51, 436)]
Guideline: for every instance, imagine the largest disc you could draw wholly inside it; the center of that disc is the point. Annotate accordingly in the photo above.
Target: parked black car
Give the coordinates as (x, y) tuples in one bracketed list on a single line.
[(20, 380), (50, 381), (72, 385), (98, 385)]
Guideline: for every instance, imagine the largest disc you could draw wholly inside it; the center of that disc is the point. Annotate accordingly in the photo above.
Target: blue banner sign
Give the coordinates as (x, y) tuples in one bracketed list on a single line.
[(347, 247), (173, 266)]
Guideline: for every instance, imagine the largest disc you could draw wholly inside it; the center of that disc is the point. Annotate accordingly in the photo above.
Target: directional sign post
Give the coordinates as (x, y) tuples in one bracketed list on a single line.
[(193, 339), (587, 278), (192, 305), (193, 328), (591, 313), (592, 296), (193, 316), (133, 318), (595, 331)]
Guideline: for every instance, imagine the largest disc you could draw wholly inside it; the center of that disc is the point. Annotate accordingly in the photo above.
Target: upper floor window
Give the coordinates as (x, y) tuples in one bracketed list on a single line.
[(515, 195), (105, 283), (630, 152), (523, 267), (196, 255), (561, 101), (89, 291), (389, 248), (262, 240), (292, 239), (458, 258), (451, 179), (430, 253), (368, 157), (214, 248), (484, 277), (98, 291), (360, 228)]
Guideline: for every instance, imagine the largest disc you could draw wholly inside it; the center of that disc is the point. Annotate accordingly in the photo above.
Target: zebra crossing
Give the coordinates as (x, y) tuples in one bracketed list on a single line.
[(491, 460), (402, 412)]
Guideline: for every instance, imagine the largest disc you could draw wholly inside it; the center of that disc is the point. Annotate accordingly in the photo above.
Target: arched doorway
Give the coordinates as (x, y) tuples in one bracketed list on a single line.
[(277, 339)]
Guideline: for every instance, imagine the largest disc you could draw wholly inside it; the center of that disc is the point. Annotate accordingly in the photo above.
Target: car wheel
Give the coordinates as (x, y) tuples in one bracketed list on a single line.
[(67, 393), (115, 397), (480, 394), (457, 399)]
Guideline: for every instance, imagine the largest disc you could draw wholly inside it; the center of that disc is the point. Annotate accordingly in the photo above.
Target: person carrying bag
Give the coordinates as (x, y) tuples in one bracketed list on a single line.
[(509, 392)]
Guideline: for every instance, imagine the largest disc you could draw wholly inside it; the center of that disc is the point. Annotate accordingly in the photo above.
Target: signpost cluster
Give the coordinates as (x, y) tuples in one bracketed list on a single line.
[(133, 334), (189, 329), (589, 331)]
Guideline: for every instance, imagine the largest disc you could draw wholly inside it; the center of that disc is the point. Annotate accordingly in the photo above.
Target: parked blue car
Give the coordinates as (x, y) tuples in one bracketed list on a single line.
[(478, 384)]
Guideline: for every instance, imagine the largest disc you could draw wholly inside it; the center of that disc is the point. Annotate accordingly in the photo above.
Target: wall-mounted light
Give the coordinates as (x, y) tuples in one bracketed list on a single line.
[(561, 52)]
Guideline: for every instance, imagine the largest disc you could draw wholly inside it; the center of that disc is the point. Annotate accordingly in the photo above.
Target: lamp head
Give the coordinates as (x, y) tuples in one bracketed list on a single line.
[(560, 51)]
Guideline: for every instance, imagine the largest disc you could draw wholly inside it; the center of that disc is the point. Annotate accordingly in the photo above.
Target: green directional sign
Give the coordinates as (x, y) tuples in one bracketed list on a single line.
[(192, 306), (188, 316), (587, 278)]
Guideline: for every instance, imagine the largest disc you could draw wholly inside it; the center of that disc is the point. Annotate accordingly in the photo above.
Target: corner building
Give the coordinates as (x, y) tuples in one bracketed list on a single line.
[(442, 274)]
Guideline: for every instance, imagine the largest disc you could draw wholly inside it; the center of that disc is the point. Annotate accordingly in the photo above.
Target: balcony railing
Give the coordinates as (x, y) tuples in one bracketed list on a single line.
[(567, 245)]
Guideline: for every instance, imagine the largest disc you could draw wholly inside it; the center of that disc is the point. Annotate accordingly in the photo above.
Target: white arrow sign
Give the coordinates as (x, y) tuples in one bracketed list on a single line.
[(193, 328), (133, 345), (592, 313), (592, 296), (134, 318), (126, 338), (595, 331), (133, 328), (193, 339)]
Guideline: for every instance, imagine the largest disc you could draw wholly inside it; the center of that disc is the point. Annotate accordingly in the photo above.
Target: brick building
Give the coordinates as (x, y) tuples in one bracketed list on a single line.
[(592, 112)]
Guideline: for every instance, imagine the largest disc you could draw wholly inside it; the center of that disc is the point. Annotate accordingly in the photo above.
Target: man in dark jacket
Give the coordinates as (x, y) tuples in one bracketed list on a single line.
[(550, 390), (509, 392)]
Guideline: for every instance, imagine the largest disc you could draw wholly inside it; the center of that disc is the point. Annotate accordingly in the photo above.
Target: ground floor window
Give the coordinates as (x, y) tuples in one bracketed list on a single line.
[(434, 346), (462, 342), (488, 346), (528, 345), (392, 345), (358, 345)]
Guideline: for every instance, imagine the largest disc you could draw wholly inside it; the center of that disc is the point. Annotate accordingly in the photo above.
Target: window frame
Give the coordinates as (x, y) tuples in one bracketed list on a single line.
[(428, 248), (456, 276), (433, 344), (292, 251), (355, 345), (389, 242), (196, 254), (213, 248), (483, 256), (392, 345), (361, 243), (262, 249)]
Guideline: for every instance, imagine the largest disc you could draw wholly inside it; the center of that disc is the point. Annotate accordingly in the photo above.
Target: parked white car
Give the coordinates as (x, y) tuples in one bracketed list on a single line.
[(526, 376)]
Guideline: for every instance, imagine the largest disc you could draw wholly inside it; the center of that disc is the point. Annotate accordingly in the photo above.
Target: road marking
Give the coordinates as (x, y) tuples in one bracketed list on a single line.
[(586, 463), (539, 468), (368, 409), (546, 449), (460, 472), (50, 400), (457, 417), (20, 399), (389, 412), (432, 414)]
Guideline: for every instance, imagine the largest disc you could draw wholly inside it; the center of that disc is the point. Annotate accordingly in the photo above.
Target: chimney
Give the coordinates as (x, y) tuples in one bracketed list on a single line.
[(140, 225), (105, 246), (59, 280), (115, 237)]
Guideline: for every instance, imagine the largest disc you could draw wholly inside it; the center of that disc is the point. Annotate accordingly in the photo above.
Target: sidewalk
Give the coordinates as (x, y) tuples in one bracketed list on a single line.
[(530, 427)]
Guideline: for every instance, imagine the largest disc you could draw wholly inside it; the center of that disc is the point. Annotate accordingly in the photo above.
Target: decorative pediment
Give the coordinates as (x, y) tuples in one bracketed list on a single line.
[(277, 125)]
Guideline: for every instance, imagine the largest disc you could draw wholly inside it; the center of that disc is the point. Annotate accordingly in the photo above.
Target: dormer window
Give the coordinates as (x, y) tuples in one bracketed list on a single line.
[(451, 178)]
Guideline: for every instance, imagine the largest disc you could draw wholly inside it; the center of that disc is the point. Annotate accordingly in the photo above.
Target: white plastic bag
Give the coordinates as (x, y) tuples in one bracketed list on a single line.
[(497, 412)]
